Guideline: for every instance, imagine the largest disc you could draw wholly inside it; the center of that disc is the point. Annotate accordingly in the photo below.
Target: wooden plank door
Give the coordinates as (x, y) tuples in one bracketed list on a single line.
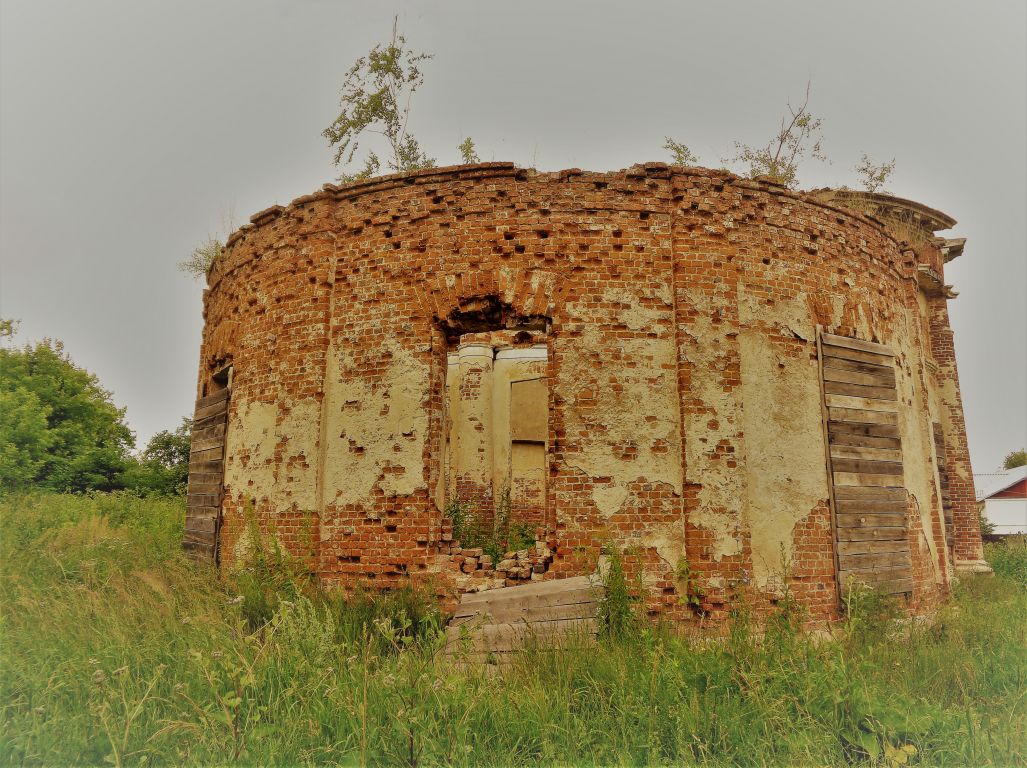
[(943, 478), (206, 475), (865, 464)]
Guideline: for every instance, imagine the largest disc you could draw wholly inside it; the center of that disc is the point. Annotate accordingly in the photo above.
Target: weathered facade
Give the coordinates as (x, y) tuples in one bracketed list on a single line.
[(744, 389)]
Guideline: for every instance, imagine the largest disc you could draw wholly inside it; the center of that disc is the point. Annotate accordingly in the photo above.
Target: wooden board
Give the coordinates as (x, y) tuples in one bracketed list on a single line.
[(868, 479), (206, 476), (549, 613), (889, 494), (872, 466), (884, 371), (846, 342), (899, 543), (862, 416), (863, 429), (832, 353), (861, 378), (863, 441), (872, 520), (865, 464), (860, 391), (857, 452)]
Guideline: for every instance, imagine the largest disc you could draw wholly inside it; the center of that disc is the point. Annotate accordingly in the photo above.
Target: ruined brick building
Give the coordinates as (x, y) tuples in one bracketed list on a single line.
[(742, 388)]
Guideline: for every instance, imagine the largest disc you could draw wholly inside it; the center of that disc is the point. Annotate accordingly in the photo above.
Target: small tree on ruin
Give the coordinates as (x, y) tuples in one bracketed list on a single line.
[(680, 153), (798, 137), (376, 97), (873, 176)]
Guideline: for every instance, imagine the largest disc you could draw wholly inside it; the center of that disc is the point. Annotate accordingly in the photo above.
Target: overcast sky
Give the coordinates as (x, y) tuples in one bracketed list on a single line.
[(129, 130)]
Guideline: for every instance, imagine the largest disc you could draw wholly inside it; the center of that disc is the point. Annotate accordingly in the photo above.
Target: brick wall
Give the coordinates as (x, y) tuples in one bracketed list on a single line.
[(681, 308)]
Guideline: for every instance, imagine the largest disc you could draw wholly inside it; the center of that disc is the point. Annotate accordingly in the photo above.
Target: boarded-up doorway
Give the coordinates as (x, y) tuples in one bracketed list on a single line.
[(868, 499), (207, 469)]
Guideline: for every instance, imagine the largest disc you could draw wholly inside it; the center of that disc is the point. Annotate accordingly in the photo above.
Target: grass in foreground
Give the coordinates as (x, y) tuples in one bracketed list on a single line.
[(117, 650)]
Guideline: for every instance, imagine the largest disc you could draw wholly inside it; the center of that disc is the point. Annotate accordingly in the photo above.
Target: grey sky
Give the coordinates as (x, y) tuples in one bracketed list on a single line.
[(127, 129)]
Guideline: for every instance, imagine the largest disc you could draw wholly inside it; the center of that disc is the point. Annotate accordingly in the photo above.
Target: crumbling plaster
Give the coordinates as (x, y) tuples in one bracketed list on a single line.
[(377, 429), (684, 306)]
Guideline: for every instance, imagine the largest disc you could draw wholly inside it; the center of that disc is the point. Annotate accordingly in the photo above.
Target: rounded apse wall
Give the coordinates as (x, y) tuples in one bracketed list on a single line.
[(678, 313)]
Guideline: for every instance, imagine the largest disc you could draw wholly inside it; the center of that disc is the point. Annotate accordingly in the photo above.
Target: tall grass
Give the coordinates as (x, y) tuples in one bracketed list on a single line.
[(118, 650)]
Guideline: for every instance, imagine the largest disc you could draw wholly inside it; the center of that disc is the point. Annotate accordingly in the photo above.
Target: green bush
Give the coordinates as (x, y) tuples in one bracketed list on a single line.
[(1009, 559)]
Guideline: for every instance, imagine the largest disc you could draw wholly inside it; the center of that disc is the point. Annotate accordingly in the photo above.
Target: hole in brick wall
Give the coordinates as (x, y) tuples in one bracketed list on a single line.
[(601, 185), (388, 233), (349, 558), (543, 234), (519, 248), (617, 233), (437, 199), (766, 261), (545, 211), (395, 245), (496, 357), (643, 215), (390, 529), (618, 247), (508, 236)]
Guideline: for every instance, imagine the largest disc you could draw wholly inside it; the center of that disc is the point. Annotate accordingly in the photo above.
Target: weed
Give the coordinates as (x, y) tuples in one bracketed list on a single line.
[(147, 658), (618, 617)]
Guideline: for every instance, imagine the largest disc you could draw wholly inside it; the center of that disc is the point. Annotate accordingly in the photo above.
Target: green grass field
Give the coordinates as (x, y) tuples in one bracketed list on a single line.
[(117, 650)]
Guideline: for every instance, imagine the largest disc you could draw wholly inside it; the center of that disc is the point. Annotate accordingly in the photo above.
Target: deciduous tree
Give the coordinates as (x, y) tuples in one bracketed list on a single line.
[(798, 137), (376, 98), (60, 428)]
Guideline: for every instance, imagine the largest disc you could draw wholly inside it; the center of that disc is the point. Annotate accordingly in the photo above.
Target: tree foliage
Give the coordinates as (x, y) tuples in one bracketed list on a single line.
[(202, 258), (1015, 459), (680, 153), (468, 152), (874, 176), (798, 137), (376, 98), (163, 467), (59, 429)]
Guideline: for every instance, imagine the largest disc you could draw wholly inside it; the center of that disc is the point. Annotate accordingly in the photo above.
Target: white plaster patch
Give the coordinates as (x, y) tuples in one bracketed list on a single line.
[(272, 453), (636, 407), (785, 459), (374, 426)]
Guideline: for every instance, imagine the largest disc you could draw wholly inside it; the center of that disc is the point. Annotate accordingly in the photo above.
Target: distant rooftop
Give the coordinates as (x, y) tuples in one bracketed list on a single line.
[(988, 484)]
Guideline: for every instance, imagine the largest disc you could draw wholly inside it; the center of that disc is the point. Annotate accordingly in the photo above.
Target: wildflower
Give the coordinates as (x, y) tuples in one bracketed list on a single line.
[(120, 671), (94, 662), (236, 600), (217, 655), (39, 710), (179, 687), (187, 620), (99, 676)]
